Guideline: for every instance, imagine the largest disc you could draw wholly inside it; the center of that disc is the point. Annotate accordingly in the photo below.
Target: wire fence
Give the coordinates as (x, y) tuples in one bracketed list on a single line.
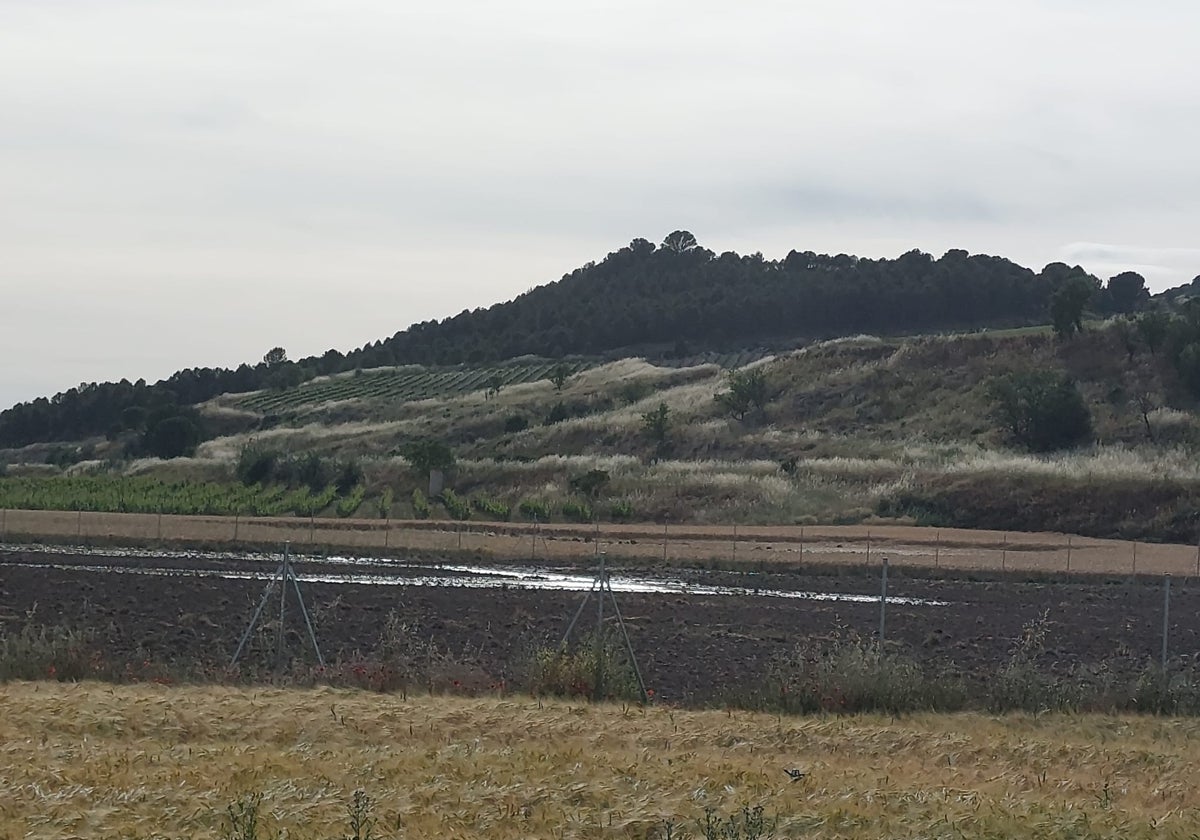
[(791, 546)]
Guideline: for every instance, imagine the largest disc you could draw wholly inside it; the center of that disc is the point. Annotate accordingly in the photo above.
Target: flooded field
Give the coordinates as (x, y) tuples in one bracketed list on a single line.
[(700, 634)]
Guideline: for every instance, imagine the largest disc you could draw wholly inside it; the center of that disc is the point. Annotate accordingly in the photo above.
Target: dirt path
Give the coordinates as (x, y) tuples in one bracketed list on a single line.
[(751, 546)]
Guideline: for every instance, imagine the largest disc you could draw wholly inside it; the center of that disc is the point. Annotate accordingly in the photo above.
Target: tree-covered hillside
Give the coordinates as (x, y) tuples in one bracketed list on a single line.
[(675, 298)]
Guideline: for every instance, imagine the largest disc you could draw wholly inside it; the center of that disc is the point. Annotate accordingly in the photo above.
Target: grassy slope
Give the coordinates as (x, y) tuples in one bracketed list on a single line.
[(96, 760), (898, 426)]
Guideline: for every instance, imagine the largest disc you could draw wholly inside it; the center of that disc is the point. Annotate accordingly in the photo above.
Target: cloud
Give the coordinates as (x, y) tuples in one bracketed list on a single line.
[(189, 183)]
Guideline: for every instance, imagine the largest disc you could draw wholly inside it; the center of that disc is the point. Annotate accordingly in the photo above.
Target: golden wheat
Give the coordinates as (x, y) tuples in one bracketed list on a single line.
[(94, 760)]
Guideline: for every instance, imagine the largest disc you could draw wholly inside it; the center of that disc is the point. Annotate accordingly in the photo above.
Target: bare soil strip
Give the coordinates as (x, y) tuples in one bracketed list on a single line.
[(791, 546)]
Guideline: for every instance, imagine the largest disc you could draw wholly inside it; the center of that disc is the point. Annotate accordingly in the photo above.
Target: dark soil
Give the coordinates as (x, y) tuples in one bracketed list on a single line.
[(692, 649)]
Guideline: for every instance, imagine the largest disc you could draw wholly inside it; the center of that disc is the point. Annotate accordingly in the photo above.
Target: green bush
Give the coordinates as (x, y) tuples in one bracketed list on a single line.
[(620, 510), (385, 503), (349, 505), (857, 675), (533, 510), (514, 423), (576, 512), (596, 671), (349, 476), (558, 413), (256, 465), (491, 509), (456, 506), (590, 483), (1041, 410), (420, 504)]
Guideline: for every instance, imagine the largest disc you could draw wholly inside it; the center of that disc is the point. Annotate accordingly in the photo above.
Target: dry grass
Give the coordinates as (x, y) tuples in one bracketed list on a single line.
[(145, 761)]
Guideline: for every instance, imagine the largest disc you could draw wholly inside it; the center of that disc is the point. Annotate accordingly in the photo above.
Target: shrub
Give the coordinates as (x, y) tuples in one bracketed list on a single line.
[(558, 413), (576, 512), (455, 505), (349, 505), (590, 483), (420, 504), (385, 503), (514, 423), (38, 652), (594, 669), (532, 510), (857, 675), (256, 465), (1042, 410), (311, 470), (491, 508), (634, 391), (350, 475), (620, 510)]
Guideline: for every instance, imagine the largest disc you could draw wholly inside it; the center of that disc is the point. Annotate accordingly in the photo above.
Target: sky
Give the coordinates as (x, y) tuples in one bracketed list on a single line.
[(192, 182)]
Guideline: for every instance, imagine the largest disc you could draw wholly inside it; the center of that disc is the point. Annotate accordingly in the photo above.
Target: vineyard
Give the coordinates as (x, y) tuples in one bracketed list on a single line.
[(110, 494), (405, 384)]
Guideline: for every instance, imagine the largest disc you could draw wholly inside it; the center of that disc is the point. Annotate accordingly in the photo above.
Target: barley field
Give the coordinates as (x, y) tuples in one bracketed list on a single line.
[(90, 760)]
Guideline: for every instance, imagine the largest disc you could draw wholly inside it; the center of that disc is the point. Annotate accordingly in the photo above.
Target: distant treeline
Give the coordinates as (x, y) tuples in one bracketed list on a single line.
[(679, 297)]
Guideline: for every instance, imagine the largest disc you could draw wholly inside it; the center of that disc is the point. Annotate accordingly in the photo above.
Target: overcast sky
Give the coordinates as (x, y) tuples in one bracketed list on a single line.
[(191, 182)]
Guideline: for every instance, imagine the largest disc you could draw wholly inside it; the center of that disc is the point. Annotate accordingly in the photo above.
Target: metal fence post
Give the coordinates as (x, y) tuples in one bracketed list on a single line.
[(1004, 554), (1069, 540), (868, 548), (1135, 557), (937, 549), (801, 543), (735, 542), (883, 603), (1166, 618), (664, 541)]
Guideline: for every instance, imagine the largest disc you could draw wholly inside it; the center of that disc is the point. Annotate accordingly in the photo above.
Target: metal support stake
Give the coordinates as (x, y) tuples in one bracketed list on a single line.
[(578, 612), (637, 672), (1135, 557), (735, 542), (1004, 554), (801, 543), (664, 542), (868, 548), (278, 576), (236, 522), (883, 603), (1070, 539), (312, 635), (937, 549), (533, 555), (79, 524), (599, 640), (3, 524), (1166, 618), (287, 572)]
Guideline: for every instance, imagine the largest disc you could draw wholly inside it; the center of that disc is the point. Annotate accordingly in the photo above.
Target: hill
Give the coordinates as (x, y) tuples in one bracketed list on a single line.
[(675, 300), (862, 429)]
